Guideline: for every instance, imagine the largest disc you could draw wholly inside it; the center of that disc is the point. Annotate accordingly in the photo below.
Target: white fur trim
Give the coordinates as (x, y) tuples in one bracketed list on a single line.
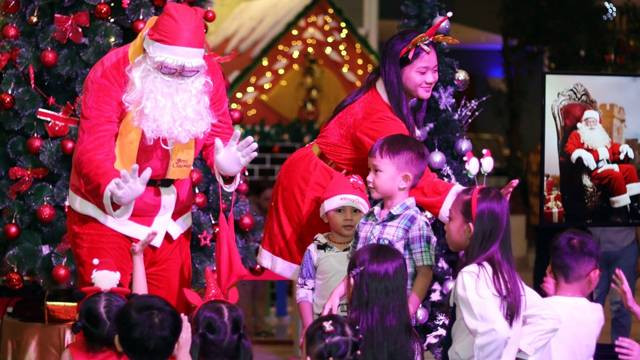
[(443, 215), (160, 225), (176, 55), (278, 265), (179, 225), (603, 153), (604, 167), (633, 189), (591, 114), (620, 201), (124, 212), (344, 200), (95, 261)]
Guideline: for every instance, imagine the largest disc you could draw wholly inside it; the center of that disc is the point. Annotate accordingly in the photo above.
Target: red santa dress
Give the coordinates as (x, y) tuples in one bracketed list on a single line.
[(343, 145), (97, 228), (620, 180)]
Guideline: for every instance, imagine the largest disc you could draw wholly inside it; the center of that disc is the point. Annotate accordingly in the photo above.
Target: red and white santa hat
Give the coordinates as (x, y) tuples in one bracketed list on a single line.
[(104, 264), (590, 114), (177, 37), (345, 190)]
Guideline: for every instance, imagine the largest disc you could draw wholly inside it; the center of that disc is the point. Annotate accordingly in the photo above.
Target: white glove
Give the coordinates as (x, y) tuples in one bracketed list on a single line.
[(603, 153), (625, 150), (130, 185), (586, 157), (231, 159)]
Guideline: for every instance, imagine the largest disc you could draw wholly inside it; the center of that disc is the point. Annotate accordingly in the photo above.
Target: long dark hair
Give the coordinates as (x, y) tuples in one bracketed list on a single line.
[(219, 333), (378, 303), (491, 243), (413, 115), (96, 320)]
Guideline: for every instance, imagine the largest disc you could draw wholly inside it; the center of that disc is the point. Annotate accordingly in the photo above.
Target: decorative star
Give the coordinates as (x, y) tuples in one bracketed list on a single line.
[(205, 238), (444, 95)]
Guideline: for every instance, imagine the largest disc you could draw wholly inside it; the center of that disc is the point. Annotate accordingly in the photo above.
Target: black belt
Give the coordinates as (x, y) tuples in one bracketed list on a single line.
[(160, 182)]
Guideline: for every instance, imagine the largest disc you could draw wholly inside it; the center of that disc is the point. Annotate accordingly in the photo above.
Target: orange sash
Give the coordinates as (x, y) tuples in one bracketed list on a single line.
[(129, 135)]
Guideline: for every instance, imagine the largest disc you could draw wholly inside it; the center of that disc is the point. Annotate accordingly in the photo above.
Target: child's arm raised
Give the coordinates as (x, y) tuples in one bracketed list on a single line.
[(139, 276), (621, 285)]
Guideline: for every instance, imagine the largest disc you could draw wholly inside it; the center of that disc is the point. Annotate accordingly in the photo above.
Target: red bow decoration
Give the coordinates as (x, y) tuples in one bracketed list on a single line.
[(70, 27), (25, 179), (7, 56), (58, 123), (212, 290)]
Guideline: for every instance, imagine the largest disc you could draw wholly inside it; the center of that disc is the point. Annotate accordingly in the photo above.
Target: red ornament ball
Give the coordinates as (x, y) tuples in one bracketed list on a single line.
[(246, 222), (67, 146), (11, 231), (7, 101), (200, 200), (159, 3), (257, 270), (10, 6), (102, 11), (243, 188), (209, 16), (14, 280), (34, 144), (10, 32), (236, 116), (61, 274), (196, 176), (46, 213), (138, 25), (49, 58)]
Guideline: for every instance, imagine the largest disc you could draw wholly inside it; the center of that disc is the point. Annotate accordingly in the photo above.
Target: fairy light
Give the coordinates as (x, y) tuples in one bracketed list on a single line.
[(295, 54), (250, 89), (265, 61), (295, 67), (330, 10), (328, 50), (345, 68), (281, 71), (309, 49), (234, 105), (252, 112), (268, 74), (267, 86), (252, 79), (239, 95), (283, 82), (359, 61), (294, 32), (330, 39)]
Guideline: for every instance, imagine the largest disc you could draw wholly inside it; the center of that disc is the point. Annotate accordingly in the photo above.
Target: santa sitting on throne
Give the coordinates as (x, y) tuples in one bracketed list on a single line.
[(591, 143)]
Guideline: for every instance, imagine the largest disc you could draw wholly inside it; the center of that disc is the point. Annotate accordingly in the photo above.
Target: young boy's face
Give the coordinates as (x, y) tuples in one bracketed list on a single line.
[(457, 231), (384, 179), (343, 220)]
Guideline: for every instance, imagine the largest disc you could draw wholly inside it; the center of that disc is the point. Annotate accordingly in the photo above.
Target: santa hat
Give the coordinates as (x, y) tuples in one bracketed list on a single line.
[(104, 264), (345, 191), (177, 36), (590, 114)]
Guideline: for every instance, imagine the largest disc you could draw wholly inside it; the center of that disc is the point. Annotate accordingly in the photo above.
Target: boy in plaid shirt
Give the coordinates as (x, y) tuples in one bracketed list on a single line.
[(396, 164)]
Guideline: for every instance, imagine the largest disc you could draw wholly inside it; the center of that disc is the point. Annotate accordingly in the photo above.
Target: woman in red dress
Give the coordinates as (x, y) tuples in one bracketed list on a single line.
[(379, 108)]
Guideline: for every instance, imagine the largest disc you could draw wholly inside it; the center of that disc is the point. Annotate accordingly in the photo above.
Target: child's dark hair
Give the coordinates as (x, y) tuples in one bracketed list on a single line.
[(148, 328), (96, 320), (407, 153), (331, 337), (378, 303), (219, 333), (574, 254), (491, 243)]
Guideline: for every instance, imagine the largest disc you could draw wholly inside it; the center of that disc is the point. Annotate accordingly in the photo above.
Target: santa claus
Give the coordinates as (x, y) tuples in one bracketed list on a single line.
[(150, 106), (591, 143)]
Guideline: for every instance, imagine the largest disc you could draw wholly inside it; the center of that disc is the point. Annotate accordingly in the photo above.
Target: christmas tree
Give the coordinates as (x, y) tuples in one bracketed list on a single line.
[(46, 51), (444, 136)]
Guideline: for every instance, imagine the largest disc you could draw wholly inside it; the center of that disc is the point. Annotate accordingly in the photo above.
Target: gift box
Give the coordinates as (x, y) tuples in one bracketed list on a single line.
[(553, 211)]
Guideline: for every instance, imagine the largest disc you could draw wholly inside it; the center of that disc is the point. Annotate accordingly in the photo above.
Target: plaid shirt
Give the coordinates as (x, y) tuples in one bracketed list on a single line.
[(405, 228)]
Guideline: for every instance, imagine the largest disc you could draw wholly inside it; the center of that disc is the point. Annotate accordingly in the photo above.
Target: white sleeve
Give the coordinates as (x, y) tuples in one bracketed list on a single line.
[(481, 312), (540, 323)]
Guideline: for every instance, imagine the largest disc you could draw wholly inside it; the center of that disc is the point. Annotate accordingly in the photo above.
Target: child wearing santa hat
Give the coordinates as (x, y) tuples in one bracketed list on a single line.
[(325, 261)]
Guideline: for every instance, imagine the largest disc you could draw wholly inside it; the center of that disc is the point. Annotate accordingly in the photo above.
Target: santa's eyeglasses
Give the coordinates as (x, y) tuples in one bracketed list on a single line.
[(176, 70)]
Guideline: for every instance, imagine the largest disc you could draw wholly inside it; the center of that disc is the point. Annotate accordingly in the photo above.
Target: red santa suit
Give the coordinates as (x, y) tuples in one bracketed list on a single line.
[(108, 141), (620, 180), (342, 146)]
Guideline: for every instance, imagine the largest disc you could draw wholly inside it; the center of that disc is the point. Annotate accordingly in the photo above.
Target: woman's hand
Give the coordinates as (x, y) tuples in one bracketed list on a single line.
[(627, 349), (508, 189)]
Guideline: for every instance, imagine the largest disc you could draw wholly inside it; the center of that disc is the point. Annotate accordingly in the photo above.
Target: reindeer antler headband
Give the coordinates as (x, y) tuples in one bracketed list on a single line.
[(430, 36)]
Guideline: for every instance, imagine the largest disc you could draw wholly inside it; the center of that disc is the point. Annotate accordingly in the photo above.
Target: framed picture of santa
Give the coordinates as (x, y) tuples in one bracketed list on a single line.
[(591, 150)]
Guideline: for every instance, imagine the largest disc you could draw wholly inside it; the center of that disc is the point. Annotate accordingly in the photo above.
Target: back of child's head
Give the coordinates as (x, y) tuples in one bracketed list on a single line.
[(148, 328), (96, 319), (407, 154), (488, 210), (378, 302), (331, 337), (218, 332), (574, 254)]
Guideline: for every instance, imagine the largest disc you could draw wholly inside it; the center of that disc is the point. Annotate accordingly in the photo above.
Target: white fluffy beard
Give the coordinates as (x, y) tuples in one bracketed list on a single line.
[(594, 138), (171, 108)]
